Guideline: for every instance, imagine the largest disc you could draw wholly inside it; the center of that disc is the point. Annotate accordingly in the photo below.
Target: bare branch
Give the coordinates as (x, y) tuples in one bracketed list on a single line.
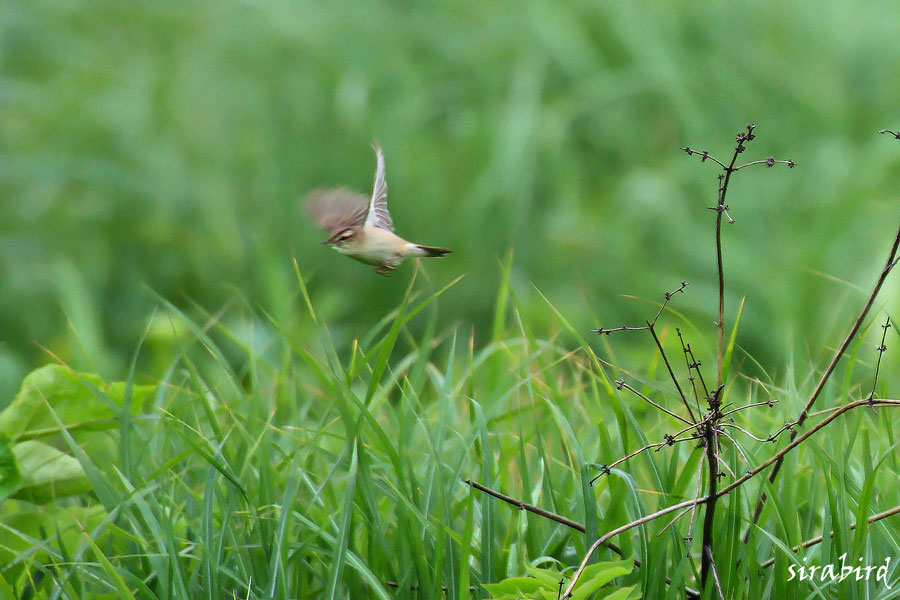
[(692, 365), (673, 521), (621, 384), (712, 566), (690, 535), (769, 403), (534, 509), (669, 295), (727, 489), (769, 162), (744, 431), (881, 348), (736, 445), (888, 266), (818, 539), (704, 156), (722, 462), (691, 593), (602, 331), (710, 439), (669, 367), (669, 441), (662, 307)]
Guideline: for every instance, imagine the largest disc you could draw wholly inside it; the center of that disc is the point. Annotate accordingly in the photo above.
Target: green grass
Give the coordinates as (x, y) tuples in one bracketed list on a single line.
[(168, 144), (238, 412), (266, 464)]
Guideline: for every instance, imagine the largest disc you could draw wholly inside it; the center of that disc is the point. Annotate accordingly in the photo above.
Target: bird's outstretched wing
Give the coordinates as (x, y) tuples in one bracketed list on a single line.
[(378, 215), (337, 209)]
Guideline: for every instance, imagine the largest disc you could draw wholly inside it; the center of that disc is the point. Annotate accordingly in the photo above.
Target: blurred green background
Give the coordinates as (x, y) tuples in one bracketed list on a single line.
[(163, 148)]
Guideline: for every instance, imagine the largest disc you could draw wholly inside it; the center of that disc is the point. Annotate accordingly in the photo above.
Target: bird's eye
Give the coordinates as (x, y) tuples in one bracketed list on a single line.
[(346, 235)]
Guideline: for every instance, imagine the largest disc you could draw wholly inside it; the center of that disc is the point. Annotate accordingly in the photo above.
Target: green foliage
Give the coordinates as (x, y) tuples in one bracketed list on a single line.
[(54, 399), (33, 536), (81, 401), (268, 465), (293, 426), (10, 476), (169, 144), (49, 473), (37, 474), (544, 584)]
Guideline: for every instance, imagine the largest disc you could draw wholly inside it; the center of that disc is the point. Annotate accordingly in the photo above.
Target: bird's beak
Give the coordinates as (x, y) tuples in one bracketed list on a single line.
[(331, 240)]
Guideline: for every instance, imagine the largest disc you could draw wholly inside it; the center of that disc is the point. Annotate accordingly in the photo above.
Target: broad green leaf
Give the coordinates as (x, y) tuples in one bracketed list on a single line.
[(76, 398), (549, 577), (47, 473), (10, 476), (631, 592), (596, 576), (514, 586)]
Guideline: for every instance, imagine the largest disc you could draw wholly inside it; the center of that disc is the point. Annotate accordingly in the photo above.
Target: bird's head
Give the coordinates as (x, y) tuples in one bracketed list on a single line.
[(343, 238)]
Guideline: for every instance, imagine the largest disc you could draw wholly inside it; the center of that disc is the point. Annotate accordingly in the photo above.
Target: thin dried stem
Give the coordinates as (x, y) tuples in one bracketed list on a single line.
[(715, 574), (736, 445), (690, 534), (769, 403), (673, 521), (669, 441), (621, 384), (671, 372), (881, 348), (727, 489), (744, 431), (515, 503), (818, 539), (789, 426), (534, 509), (769, 162), (662, 307), (602, 331), (802, 438), (692, 365), (704, 156), (712, 466), (696, 364), (804, 414), (722, 462), (669, 295), (721, 208)]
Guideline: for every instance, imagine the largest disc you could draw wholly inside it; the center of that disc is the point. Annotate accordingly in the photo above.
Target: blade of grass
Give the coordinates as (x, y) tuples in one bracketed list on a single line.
[(338, 555), (729, 349)]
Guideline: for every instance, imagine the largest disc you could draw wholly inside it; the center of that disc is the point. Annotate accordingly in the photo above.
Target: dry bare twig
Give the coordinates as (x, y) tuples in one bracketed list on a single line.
[(727, 489), (804, 414)]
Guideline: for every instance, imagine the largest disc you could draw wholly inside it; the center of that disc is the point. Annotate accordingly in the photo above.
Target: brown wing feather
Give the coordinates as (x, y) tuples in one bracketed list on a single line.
[(337, 209)]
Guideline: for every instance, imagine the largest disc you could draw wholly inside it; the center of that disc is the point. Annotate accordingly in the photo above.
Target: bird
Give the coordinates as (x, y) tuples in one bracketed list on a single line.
[(361, 227)]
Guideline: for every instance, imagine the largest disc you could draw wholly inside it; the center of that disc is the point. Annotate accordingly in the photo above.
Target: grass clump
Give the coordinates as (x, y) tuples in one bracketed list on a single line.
[(265, 464)]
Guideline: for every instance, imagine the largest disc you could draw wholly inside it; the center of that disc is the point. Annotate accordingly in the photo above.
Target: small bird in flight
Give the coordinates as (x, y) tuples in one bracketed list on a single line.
[(361, 227)]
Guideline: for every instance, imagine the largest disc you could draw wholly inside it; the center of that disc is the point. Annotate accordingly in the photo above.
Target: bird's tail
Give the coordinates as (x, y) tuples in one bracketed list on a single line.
[(432, 251)]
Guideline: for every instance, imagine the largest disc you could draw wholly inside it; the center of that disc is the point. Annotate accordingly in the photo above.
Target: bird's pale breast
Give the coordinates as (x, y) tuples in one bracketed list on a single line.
[(376, 246)]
